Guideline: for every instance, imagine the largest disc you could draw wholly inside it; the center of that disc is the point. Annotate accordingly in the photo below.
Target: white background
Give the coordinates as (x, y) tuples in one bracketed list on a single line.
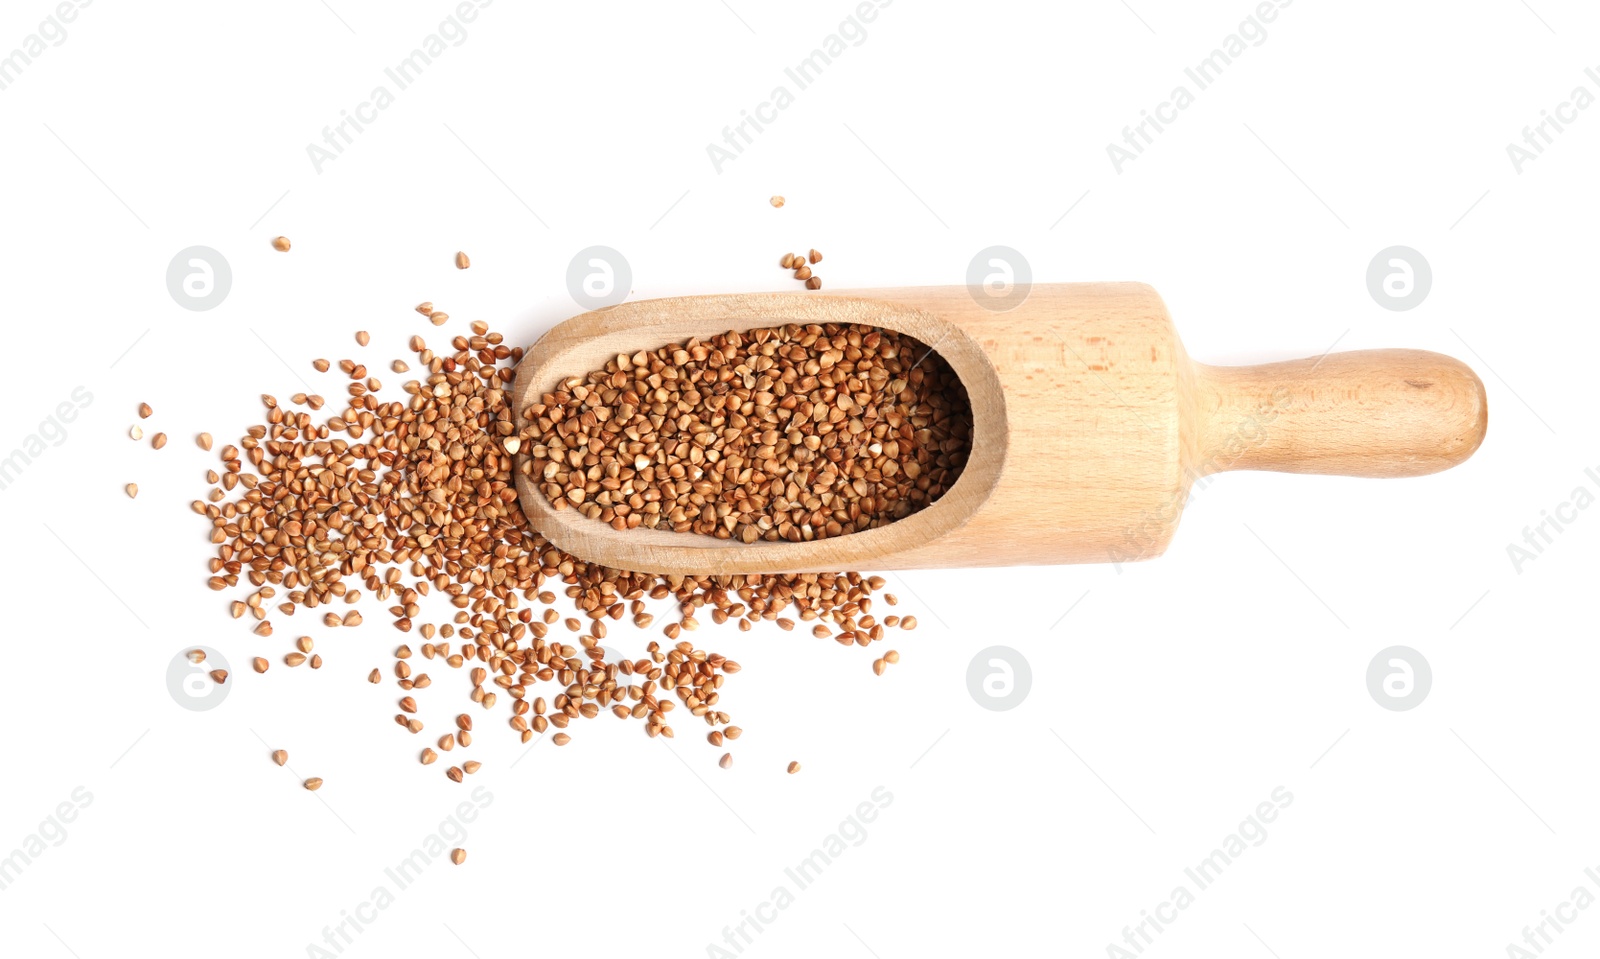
[(1171, 700)]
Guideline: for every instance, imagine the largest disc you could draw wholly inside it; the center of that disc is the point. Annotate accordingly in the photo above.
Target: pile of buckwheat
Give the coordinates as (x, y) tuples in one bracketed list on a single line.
[(795, 433), (397, 499)]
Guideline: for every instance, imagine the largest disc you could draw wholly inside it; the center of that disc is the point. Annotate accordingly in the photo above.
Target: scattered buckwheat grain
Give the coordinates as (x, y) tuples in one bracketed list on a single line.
[(798, 433)]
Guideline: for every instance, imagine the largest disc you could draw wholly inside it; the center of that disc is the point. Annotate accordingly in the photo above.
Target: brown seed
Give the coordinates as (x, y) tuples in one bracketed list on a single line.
[(462, 262), (814, 256), (294, 659), (260, 664), (145, 411), (561, 739), (132, 489), (815, 283), (196, 656), (877, 666), (408, 704), (314, 783), (803, 273), (458, 856), (159, 440), (316, 661), (303, 644), (778, 201), (439, 319), (219, 676), (733, 732), (908, 622), (363, 337), (787, 262), (794, 768), (399, 366), (280, 756), (726, 761), (425, 308), (839, 429), (464, 722), (455, 774), (375, 677), (471, 766), (281, 244), (320, 365), (204, 439), (428, 756), (897, 474), (891, 656)]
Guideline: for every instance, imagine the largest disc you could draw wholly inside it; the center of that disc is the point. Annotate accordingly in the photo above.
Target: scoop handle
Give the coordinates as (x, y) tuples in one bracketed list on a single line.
[(1364, 413)]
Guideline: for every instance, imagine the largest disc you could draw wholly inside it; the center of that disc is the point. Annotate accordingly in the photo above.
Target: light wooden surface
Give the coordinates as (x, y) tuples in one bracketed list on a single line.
[(1090, 424)]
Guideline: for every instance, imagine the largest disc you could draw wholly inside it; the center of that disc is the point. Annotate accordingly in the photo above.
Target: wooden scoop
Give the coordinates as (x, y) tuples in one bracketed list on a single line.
[(1090, 422)]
